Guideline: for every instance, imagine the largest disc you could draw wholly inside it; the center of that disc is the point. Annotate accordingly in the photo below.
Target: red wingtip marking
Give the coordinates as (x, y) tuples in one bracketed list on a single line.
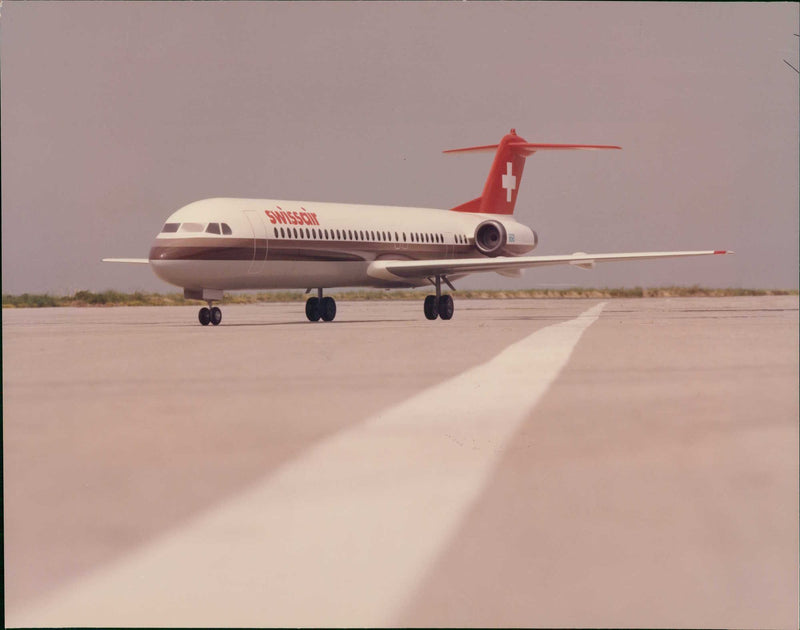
[(722, 251)]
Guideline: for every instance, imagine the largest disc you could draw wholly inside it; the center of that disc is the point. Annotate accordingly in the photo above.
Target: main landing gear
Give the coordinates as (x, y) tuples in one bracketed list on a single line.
[(211, 315), (439, 305), (320, 307)]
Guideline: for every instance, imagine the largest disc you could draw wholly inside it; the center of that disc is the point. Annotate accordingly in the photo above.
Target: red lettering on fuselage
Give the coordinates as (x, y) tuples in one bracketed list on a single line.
[(304, 217)]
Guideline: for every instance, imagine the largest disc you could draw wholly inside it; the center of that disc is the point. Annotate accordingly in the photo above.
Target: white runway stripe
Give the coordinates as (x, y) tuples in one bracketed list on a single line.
[(342, 535)]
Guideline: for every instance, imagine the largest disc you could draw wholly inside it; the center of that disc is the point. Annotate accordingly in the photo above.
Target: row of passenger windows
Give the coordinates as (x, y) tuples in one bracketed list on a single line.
[(315, 233), (210, 228), (364, 235)]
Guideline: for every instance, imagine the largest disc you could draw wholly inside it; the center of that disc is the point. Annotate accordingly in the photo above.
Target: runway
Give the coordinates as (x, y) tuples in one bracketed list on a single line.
[(530, 462)]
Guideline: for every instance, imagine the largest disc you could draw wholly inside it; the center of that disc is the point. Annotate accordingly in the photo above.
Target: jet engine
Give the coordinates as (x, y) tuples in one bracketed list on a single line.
[(491, 238)]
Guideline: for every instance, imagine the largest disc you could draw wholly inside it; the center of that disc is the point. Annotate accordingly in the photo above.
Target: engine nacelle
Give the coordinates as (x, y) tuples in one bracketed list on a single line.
[(491, 238)]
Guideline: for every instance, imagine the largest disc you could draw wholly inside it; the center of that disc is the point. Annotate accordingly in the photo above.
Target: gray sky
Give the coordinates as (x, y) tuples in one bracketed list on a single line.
[(116, 114)]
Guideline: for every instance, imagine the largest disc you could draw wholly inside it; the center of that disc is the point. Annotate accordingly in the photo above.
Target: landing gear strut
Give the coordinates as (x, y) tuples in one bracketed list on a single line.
[(320, 307), (210, 315), (439, 305)]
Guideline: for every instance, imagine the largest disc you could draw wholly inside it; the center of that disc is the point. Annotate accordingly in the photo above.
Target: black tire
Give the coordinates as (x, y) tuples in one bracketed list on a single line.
[(430, 307), (204, 316), (328, 309), (313, 311), (446, 307), (216, 316)]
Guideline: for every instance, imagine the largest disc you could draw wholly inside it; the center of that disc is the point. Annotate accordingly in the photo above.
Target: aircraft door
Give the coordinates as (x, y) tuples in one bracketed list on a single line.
[(449, 247), (260, 242)]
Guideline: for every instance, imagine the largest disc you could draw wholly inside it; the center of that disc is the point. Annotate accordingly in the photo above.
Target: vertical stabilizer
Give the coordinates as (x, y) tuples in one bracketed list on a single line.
[(500, 191)]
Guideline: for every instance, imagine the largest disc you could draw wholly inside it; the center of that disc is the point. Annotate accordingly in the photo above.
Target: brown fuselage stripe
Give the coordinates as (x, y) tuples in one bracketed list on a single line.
[(301, 250)]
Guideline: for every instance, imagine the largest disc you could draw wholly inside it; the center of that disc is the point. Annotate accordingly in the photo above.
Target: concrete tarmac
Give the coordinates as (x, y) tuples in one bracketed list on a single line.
[(652, 482)]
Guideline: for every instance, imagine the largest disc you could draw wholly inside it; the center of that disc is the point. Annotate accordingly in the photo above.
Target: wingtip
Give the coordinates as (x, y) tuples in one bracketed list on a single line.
[(724, 251)]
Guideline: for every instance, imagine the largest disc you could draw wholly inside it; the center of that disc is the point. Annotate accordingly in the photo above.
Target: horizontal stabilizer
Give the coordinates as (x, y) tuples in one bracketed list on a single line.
[(526, 148), (136, 261)]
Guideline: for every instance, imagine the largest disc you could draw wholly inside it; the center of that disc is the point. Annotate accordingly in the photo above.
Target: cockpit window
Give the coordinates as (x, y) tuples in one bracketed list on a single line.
[(192, 227), (226, 229), (213, 228), (170, 227)]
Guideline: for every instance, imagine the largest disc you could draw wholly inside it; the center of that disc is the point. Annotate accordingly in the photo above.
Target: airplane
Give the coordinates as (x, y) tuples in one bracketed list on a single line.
[(225, 244)]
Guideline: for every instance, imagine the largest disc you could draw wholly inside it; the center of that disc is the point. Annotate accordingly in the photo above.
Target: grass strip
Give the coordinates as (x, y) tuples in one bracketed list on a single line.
[(139, 298)]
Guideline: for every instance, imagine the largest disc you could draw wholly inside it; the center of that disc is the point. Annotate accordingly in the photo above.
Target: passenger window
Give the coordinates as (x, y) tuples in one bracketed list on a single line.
[(170, 227), (276, 232), (283, 234), (226, 229), (295, 232)]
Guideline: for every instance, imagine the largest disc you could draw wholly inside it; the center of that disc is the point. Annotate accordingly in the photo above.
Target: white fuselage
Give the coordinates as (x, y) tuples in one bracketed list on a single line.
[(231, 244)]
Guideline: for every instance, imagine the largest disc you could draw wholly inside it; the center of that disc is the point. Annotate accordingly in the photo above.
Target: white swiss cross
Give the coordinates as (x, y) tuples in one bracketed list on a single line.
[(509, 181)]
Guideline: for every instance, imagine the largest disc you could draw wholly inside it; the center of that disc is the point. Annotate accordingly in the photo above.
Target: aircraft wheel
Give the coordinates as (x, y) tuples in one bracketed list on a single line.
[(313, 309), (446, 306), (328, 309), (430, 307), (216, 316), (204, 316)]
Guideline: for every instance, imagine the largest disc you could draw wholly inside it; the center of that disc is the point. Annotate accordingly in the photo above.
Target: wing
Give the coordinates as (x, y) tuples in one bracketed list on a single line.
[(138, 261), (393, 270)]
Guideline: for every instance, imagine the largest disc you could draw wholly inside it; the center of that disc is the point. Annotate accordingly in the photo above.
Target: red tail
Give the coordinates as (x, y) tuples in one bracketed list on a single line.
[(500, 191)]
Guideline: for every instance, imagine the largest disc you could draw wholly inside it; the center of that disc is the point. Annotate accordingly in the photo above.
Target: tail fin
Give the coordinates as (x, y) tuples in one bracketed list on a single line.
[(500, 191)]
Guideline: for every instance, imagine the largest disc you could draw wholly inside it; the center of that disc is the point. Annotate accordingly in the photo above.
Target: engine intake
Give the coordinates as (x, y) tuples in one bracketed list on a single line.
[(491, 238)]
